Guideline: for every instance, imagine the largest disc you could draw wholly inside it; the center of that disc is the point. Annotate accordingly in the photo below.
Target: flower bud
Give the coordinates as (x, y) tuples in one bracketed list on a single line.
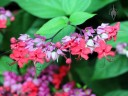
[(58, 44), (13, 40), (68, 61)]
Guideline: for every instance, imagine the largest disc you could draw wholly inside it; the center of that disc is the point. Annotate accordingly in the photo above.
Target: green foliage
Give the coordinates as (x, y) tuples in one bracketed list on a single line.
[(78, 18), (72, 6), (53, 26), (4, 2), (42, 8), (122, 34), (53, 8), (117, 93), (108, 69)]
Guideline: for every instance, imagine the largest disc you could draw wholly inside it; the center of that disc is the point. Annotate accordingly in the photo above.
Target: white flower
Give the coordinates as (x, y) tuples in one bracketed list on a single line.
[(54, 55), (104, 36), (90, 42)]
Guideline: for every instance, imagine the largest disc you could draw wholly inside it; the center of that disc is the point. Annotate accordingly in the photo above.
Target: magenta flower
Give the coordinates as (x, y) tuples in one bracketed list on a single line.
[(88, 32)]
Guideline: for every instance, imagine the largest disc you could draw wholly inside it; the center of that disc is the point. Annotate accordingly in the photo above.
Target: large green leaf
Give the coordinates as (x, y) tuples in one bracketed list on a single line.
[(53, 26), (97, 4), (4, 2), (106, 69), (71, 6), (122, 35), (66, 31), (117, 93), (42, 8), (79, 17)]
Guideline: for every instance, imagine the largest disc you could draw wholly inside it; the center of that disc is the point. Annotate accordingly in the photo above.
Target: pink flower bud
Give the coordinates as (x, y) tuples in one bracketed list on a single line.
[(13, 40), (12, 18), (69, 61), (58, 44)]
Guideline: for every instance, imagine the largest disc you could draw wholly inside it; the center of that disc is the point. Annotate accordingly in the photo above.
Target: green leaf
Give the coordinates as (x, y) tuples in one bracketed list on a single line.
[(98, 4), (42, 8), (4, 2), (71, 6), (4, 65), (117, 93), (65, 31), (122, 35), (53, 26), (78, 18), (106, 69)]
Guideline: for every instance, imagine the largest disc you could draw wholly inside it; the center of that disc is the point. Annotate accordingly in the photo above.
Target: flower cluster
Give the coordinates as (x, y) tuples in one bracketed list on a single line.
[(39, 50), (27, 85), (5, 17), (70, 90), (121, 48)]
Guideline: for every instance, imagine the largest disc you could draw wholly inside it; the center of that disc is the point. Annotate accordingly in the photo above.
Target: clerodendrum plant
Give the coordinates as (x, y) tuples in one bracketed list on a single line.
[(53, 41)]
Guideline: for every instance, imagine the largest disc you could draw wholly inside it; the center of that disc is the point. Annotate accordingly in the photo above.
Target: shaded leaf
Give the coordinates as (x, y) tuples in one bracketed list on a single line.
[(106, 69)]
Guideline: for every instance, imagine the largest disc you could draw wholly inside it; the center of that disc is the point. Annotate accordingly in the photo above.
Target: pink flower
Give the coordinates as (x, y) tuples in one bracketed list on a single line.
[(112, 31), (20, 55), (81, 50), (37, 56), (104, 50), (3, 23)]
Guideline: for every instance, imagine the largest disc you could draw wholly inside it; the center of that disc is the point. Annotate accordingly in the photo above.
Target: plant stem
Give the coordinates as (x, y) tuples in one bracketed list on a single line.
[(70, 76)]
